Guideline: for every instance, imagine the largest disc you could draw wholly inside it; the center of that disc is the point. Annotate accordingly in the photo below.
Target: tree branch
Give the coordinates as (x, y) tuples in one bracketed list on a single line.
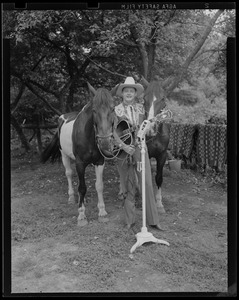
[(55, 45), (18, 97), (127, 43), (209, 50), (39, 126), (170, 18), (196, 49), (43, 88), (22, 88), (37, 63), (103, 68), (40, 97)]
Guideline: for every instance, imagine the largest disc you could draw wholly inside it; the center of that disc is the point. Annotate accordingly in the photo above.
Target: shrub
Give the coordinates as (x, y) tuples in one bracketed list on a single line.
[(200, 113)]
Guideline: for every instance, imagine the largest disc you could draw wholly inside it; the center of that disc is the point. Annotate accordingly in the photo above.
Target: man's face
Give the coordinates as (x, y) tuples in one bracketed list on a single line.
[(128, 94)]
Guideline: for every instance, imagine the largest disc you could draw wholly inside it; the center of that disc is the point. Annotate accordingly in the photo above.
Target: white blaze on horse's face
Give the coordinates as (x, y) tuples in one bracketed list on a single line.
[(151, 110), (104, 123), (103, 119)]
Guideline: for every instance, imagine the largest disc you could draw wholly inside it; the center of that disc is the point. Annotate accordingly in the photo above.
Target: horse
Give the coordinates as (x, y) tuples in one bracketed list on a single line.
[(83, 137), (157, 141)]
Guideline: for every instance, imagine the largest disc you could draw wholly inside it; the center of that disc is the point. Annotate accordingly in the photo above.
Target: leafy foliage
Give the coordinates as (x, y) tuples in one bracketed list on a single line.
[(54, 53), (200, 113)]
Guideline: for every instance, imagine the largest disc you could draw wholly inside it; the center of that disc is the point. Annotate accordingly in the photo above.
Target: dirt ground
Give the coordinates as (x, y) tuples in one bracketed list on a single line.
[(51, 254)]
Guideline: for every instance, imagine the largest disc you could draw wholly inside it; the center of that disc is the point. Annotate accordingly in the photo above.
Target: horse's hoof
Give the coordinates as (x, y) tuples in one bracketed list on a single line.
[(82, 223), (158, 227), (102, 213), (71, 199), (121, 196), (161, 210), (103, 219)]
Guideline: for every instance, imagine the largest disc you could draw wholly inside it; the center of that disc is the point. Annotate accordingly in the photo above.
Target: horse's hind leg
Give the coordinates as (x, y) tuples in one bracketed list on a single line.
[(67, 164), (99, 185), (159, 180)]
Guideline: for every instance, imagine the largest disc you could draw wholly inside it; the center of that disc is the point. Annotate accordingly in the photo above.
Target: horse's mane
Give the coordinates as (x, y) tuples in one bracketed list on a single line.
[(154, 87), (102, 99)]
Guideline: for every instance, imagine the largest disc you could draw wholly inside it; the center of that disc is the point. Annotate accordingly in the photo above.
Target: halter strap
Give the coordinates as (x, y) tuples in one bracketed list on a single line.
[(104, 136)]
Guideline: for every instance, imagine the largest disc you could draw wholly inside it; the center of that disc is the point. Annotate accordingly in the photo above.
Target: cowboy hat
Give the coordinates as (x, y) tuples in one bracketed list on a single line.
[(129, 82)]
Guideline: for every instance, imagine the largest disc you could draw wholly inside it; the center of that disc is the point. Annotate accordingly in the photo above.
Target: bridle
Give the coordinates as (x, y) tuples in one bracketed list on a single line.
[(98, 139), (98, 136), (157, 122)]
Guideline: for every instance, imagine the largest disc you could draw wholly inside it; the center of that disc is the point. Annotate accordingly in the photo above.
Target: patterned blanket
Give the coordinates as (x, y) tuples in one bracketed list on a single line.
[(181, 138), (212, 145)]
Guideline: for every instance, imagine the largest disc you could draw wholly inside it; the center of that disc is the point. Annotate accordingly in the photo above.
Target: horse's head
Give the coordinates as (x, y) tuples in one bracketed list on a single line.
[(104, 119), (154, 98)]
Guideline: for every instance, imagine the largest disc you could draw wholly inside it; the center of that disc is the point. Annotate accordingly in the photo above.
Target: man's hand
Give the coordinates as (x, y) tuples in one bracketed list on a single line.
[(151, 129), (130, 149)]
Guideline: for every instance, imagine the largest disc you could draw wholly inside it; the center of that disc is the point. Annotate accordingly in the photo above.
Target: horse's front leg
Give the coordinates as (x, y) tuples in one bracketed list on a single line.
[(99, 186), (68, 171), (80, 168), (159, 180)]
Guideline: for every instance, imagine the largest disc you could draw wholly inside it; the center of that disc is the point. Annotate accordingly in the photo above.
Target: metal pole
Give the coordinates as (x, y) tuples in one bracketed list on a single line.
[(143, 151), (144, 236)]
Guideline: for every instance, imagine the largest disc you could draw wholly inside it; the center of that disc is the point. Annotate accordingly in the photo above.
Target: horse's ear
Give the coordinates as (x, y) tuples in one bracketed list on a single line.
[(114, 90), (144, 81), (167, 82), (91, 89)]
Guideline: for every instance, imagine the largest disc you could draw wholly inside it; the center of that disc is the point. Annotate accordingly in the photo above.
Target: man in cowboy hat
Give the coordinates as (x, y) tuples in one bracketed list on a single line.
[(134, 114)]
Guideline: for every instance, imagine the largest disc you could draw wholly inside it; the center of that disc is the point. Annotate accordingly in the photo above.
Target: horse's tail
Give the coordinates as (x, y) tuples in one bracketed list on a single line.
[(52, 150)]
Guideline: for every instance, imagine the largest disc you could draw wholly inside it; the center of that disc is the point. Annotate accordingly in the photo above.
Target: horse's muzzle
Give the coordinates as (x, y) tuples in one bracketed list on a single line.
[(105, 143)]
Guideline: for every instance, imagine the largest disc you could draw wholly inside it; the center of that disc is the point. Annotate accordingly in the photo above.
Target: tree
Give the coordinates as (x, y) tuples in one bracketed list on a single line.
[(54, 53), (198, 46)]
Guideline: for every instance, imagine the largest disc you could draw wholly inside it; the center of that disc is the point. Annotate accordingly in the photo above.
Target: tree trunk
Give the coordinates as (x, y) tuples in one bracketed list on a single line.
[(142, 50), (151, 56), (70, 98), (62, 95), (75, 75), (151, 51), (144, 57), (198, 46), (39, 142), (20, 133), (38, 131)]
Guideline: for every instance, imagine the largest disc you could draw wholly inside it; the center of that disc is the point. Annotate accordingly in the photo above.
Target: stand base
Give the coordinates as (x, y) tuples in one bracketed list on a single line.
[(144, 237)]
